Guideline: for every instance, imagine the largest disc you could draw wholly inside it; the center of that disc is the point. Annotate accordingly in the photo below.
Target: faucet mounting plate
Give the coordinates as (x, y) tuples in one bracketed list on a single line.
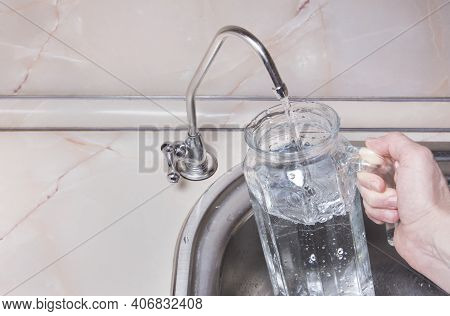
[(206, 170)]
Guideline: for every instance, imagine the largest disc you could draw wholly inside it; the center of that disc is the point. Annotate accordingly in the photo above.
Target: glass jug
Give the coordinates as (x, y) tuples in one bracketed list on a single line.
[(301, 176)]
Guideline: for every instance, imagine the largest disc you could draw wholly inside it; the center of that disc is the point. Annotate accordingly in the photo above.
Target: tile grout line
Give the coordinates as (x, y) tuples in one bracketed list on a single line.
[(125, 83), (214, 129), (251, 98)]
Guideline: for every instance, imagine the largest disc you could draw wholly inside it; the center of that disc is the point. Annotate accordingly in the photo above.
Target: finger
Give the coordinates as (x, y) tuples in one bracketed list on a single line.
[(374, 220), (396, 165), (395, 145), (381, 215), (386, 199), (371, 181)]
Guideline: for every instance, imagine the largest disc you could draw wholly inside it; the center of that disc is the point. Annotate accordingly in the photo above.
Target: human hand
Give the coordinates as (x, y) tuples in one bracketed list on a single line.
[(421, 201)]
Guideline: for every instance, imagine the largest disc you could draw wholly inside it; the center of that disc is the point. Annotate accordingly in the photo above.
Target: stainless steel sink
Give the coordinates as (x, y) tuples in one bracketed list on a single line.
[(219, 252)]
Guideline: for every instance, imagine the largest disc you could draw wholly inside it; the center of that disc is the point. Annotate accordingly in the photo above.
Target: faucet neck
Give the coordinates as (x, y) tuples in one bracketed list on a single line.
[(280, 88)]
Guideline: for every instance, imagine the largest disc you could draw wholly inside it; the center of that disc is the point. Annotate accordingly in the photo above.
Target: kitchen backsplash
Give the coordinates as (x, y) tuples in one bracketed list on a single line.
[(152, 47)]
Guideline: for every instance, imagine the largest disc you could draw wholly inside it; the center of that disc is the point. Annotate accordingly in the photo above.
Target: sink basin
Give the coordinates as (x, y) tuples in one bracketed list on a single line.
[(219, 252)]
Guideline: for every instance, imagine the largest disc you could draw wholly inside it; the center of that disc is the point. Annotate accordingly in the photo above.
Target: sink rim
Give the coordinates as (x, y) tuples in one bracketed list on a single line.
[(187, 278), (183, 257)]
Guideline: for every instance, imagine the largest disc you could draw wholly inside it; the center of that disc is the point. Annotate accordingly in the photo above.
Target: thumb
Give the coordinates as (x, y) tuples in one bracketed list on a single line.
[(394, 145)]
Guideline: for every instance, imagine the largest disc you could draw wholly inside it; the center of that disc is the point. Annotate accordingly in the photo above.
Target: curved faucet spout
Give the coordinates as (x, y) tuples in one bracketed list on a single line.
[(190, 159), (280, 88)]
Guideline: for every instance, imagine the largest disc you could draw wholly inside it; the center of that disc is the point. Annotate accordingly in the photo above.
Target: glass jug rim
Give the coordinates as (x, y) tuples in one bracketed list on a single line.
[(326, 111)]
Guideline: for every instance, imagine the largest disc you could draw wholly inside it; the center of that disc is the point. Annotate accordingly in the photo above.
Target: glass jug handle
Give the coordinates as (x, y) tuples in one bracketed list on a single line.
[(370, 161)]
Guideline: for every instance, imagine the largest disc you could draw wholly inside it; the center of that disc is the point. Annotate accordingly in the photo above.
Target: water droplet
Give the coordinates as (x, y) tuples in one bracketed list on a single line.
[(323, 247), (339, 253), (312, 258)]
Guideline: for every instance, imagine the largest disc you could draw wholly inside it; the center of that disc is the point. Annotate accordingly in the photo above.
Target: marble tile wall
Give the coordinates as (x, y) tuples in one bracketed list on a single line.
[(151, 47), (78, 216), (84, 213)]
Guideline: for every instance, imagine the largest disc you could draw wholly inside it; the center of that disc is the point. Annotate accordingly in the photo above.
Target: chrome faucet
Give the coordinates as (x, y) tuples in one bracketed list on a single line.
[(189, 158)]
